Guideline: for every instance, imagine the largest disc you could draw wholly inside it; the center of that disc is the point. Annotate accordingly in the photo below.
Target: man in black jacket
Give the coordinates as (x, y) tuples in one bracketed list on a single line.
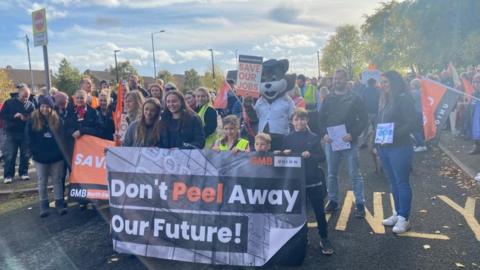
[(343, 107), (134, 84), (15, 112)]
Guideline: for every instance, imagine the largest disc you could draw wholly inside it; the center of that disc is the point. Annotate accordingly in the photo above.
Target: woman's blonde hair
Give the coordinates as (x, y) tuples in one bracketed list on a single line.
[(205, 91), (138, 101)]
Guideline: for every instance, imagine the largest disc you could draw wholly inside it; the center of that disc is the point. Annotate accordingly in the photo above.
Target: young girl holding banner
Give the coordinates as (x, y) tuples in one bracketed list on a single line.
[(231, 140), (145, 132), (181, 127)]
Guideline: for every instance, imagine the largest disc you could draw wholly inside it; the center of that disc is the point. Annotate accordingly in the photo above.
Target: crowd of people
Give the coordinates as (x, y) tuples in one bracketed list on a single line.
[(45, 128)]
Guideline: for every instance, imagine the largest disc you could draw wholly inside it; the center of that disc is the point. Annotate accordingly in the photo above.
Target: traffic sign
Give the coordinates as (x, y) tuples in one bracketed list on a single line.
[(39, 25)]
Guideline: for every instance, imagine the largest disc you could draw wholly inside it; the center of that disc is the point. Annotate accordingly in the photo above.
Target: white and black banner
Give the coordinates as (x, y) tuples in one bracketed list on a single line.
[(204, 206)]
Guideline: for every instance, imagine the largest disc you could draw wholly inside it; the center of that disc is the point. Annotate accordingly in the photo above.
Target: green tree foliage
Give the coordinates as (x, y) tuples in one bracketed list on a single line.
[(192, 80), (6, 85), (166, 76), (125, 69), (67, 79), (423, 35), (209, 82), (345, 50), (471, 49)]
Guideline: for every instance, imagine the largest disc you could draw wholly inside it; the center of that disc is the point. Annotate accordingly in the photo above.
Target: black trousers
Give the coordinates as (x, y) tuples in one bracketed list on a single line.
[(315, 195)]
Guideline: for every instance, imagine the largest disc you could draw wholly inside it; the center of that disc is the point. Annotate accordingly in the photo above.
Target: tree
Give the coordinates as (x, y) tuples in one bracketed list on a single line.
[(471, 50), (166, 76), (343, 50), (125, 69), (192, 80), (67, 78), (207, 79), (423, 34), (6, 85)]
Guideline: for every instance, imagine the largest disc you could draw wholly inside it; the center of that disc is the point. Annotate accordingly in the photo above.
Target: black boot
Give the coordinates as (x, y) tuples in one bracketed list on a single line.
[(61, 207), (44, 208), (476, 148)]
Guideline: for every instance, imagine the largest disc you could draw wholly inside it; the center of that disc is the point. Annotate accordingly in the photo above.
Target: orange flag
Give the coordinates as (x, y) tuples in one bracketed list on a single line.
[(221, 101), (468, 87), (438, 101), (119, 116)]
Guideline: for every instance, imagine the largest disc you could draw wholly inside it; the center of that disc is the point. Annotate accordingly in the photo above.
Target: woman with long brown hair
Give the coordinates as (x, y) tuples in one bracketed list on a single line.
[(181, 127), (396, 120), (145, 132), (43, 137)]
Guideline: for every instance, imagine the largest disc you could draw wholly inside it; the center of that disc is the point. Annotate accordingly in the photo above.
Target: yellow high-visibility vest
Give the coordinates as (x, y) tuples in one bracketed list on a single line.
[(241, 145), (210, 140)]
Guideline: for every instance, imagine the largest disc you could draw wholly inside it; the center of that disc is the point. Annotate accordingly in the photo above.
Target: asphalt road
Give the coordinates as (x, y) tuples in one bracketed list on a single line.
[(445, 233)]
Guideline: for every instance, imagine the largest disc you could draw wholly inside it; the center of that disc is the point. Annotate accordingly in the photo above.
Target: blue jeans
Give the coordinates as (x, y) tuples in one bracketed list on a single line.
[(54, 171), (13, 143), (333, 164), (397, 164)]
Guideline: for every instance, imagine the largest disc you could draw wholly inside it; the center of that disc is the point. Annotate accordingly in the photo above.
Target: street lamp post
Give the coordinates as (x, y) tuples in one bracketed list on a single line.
[(213, 66), (116, 65), (153, 53), (30, 63)]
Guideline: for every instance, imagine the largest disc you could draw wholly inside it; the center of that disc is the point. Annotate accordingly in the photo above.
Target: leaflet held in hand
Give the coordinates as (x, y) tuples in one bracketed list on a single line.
[(384, 133), (336, 134)]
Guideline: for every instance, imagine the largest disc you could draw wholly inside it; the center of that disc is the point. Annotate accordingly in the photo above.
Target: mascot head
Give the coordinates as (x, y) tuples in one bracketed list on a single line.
[(275, 82)]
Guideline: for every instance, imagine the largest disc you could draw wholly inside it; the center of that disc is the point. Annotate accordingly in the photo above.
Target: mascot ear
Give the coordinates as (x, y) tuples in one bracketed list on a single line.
[(283, 65), (291, 79)]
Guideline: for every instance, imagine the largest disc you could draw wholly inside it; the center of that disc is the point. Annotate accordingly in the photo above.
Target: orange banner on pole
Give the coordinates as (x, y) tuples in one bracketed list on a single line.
[(432, 94), (88, 179), (468, 88), (221, 100)]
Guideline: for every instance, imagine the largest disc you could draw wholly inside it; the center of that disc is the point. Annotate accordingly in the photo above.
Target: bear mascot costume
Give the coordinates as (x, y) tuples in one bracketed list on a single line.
[(274, 107)]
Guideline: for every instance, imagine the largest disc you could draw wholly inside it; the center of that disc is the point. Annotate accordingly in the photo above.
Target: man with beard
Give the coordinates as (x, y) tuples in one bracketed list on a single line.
[(134, 84), (343, 107)]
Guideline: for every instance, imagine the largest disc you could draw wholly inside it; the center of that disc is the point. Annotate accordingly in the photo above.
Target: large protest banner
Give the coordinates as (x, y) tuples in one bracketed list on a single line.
[(88, 179), (249, 75), (204, 206), (438, 101)]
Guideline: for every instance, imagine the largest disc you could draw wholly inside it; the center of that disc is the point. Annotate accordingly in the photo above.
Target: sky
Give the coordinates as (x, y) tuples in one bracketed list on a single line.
[(86, 32)]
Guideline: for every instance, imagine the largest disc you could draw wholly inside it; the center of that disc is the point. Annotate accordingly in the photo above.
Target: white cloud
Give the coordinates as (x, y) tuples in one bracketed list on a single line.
[(214, 21), (52, 12), (164, 57), (196, 54), (292, 41)]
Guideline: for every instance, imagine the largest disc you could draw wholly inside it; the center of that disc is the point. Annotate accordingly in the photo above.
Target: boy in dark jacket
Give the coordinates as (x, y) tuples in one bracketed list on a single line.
[(305, 143)]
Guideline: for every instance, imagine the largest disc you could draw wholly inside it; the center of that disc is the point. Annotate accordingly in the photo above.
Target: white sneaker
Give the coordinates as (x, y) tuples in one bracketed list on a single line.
[(477, 178), (391, 221), (7, 180), (25, 177), (418, 149), (401, 226)]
